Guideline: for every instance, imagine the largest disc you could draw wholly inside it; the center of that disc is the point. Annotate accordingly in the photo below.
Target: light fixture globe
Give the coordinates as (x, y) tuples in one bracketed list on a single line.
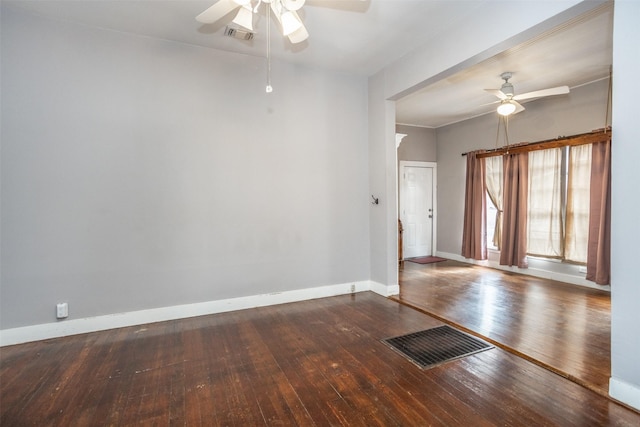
[(290, 23), (244, 18), (506, 108)]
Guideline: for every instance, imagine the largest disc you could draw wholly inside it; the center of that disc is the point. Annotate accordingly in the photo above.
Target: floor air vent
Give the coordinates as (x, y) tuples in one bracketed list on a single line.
[(435, 346)]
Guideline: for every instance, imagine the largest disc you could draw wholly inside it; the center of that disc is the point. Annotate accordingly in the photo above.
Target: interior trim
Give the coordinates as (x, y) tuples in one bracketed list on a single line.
[(624, 392), (64, 328)]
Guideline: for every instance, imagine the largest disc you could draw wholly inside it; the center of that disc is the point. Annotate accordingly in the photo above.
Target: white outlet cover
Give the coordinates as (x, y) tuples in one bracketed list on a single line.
[(62, 310)]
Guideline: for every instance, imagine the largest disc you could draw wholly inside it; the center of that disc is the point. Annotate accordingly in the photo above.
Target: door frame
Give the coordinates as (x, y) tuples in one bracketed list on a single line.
[(434, 195)]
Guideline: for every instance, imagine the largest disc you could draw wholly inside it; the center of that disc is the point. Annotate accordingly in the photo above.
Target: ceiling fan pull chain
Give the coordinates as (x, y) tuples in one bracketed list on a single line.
[(606, 117), (269, 89), (506, 129), (498, 132)]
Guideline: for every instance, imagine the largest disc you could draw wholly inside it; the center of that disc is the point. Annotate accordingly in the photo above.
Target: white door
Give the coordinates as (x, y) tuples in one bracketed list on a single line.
[(417, 209)]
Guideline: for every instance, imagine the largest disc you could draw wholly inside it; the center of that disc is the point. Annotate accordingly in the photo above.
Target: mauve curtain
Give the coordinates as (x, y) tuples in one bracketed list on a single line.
[(599, 246), (474, 232), (513, 250)]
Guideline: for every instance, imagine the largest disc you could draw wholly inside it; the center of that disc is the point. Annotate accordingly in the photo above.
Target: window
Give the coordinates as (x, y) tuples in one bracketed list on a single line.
[(545, 212), (558, 202), (493, 178), (492, 213), (578, 203)]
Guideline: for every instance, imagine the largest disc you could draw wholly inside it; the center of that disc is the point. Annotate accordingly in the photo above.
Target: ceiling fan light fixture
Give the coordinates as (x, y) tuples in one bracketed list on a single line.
[(244, 18), (290, 23), (506, 108), (242, 2)]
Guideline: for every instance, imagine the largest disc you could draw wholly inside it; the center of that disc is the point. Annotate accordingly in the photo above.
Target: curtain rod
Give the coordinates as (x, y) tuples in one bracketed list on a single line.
[(597, 135)]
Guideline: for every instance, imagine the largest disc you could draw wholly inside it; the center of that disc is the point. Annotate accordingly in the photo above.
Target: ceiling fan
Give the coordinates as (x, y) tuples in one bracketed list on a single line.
[(284, 11), (509, 102)]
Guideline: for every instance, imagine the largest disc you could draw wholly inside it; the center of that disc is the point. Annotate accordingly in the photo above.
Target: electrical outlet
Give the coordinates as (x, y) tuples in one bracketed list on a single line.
[(582, 269), (353, 288), (62, 310)]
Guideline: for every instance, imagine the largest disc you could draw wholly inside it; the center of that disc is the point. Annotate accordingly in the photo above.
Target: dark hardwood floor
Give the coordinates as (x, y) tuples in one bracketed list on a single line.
[(317, 362), (562, 327)]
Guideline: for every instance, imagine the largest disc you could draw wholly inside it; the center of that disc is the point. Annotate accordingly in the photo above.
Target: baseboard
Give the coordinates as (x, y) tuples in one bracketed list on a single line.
[(535, 272), (384, 290), (624, 392), (120, 320)]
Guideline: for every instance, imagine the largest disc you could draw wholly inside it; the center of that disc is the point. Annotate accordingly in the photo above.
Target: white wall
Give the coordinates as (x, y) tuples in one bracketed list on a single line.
[(582, 110), (625, 205), (140, 173), (382, 184)]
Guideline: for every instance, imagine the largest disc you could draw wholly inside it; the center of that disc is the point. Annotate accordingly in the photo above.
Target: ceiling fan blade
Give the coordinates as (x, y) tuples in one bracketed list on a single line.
[(519, 107), (217, 11), (488, 103), (497, 92), (560, 90), (353, 6), (293, 4)]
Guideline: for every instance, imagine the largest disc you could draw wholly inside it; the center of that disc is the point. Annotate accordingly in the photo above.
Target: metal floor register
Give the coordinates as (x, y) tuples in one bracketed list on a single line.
[(435, 346)]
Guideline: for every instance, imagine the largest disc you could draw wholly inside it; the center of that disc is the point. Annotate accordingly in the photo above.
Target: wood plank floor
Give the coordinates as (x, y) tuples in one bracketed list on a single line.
[(563, 327), (313, 363)]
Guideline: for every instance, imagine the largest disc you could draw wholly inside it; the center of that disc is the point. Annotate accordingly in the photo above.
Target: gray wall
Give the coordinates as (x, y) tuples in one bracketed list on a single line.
[(139, 173), (625, 205), (582, 110), (419, 145)]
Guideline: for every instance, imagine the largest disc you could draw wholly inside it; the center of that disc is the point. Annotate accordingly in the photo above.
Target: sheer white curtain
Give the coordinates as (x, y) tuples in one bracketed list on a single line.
[(494, 189), (544, 217), (578, 203)]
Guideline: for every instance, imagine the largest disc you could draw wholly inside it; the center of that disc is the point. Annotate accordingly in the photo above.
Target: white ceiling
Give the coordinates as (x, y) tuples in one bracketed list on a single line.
[(578, 53), (362, 37), (345, 35)]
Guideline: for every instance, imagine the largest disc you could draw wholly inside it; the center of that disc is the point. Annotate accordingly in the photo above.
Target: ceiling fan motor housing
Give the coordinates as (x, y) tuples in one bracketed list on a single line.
[(507, 89)]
